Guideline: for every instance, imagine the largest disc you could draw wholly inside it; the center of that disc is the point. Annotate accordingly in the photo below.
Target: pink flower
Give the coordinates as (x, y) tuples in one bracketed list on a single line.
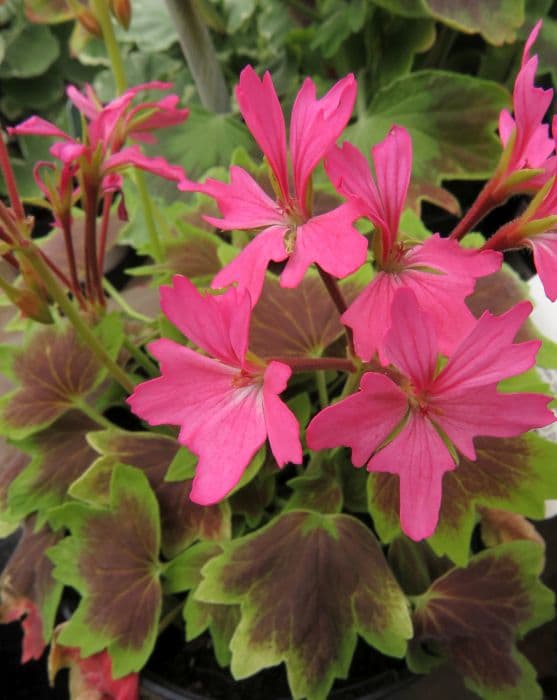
[(290, 231), (102, 151), (525, 137), (439, 271), (226, 404), (429, 408)]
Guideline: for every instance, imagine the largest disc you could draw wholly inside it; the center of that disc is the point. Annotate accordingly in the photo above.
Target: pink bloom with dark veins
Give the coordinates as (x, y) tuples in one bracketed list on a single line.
[(428, 407), (525, 136), (289, 229), (103, 148), (226, 401), (439, 271)]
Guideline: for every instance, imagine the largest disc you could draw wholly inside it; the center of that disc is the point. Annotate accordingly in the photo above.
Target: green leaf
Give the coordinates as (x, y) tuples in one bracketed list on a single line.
[(12, 462), (56, 372), (452, 120), (47, 11), (24, 58), (204, 141), (318, 489), (182, 520), (151, 27), (251, 500), (512, 474), (184, 574), (28, 588), (238, 12), (475, 614), (111, 559), (60, 454), (277, 575)]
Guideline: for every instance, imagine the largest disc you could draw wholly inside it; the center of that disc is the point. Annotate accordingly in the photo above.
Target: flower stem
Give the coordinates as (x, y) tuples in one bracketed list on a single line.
[(9, 178), (321, 382), (200, 54), (119, 299), (81, 328), (107, 203), (92, 413), (339, 301), (483, 204), (103, 15), (141, 358), (310, 364)]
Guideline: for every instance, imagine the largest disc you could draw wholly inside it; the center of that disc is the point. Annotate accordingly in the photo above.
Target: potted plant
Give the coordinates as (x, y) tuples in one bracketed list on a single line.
[(326, 434)]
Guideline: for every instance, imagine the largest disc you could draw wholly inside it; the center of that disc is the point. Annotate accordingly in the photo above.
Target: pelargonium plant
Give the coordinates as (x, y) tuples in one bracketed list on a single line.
[(327, 433)]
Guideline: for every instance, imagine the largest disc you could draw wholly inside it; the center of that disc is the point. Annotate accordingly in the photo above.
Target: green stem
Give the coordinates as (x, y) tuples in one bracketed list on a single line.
[(141, 358), (92, 413), (119, 299), (81, 328), (321, 382), (102, 14), (200, 54)]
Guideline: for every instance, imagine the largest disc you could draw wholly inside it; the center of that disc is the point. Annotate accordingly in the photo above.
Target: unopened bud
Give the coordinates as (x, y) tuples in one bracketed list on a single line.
[(122, 11), (89, 22)]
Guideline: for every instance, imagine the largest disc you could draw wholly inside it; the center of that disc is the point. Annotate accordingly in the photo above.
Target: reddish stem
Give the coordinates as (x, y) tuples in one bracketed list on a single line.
[(92, 276), (70, 252), (57, 271), (483, 204), (339, 301), (107, 203), (310, 364), (11, 184)]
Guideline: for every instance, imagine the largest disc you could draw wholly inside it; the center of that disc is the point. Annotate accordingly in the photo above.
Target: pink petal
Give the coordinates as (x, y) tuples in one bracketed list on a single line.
[(86, 104), (219, 324), (487, 354), (315, 125), (68, 151), (262, 112), (362, 421), (223, 423), (155, 115), (35, 126), (348, 169), (530, 41), (282, 426), (544, 246), (369, 316), (132, 156), (506, 126), (411, 341), (329, 240), (243, 203), (249, 266), (420, 458), (484, 411), (442, 273), (392, 158)]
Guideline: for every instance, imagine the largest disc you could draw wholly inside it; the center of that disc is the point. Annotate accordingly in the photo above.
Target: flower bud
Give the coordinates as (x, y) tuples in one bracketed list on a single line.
[(89, 22), (122, 11)]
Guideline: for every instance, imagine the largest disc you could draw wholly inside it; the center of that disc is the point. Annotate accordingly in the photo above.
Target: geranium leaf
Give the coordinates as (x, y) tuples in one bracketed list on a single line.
[(277, 575), (474, 616), (298, 322), (56, 372), (512, 474), (47, 11), (499, 526), (12, 462), (251, 500), (28, 589), (184, 574), (318, 490), (452, 120), (182, 520), (112, 559), (60, 454)]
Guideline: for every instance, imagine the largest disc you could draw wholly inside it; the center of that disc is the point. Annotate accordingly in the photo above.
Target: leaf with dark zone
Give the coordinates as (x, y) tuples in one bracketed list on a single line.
[(513, 474), (277, 575), (112, 560), (474, 616), (182, 521), (60, 455), (28, 589), (56, 372)]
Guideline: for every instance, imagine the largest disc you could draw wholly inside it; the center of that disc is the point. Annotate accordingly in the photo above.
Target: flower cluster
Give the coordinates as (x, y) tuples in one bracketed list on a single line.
[(429, 371)]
